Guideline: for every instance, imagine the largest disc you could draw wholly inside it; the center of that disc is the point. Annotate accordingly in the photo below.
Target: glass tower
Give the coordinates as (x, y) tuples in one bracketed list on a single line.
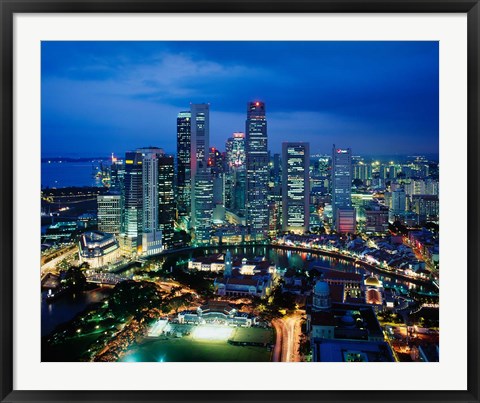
[(133, 197), (257, 171), (202, 186), (183, 163), (296, 187), (166, 201), (341, 180)]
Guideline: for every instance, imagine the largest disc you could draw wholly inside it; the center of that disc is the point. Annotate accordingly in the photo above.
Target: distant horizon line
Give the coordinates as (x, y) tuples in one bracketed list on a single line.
[(109, 155)]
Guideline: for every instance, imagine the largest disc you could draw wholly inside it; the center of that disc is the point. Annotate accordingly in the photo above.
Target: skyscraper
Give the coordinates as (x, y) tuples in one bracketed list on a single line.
[(166, 200), (133, 200), (202, 205), (235, 149), (183, 194), (199, 144), (235, 175), (295, 187), (200, 134), (151, 232), (397, 204), (201, 177), (341, 184), (257, 174), (110, 208)]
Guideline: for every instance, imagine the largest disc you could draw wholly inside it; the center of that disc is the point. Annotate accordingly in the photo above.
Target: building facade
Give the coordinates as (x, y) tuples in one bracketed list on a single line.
[(133, 219), (151, 232), (110, 212), (341, 181), (199, 149), (257, 171), (202, 205), (183, 163), (296, 187), (166, 200)]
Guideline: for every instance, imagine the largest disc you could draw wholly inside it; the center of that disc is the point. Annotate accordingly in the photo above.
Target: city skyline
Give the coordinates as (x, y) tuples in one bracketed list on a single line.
[(111, 93), (311, 252)]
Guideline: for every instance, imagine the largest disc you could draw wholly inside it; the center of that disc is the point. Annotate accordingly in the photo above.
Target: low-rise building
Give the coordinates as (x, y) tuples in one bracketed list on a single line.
[(215, 312), (98, 249)]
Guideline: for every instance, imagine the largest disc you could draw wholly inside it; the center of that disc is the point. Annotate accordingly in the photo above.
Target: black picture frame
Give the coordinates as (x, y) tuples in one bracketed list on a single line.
[(10, 7)]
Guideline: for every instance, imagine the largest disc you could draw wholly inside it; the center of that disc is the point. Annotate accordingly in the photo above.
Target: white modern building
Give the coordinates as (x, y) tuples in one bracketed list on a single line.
[(98, 249)]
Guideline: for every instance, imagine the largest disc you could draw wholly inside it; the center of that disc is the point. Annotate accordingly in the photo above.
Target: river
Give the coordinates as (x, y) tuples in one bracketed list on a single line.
[(66, 307)]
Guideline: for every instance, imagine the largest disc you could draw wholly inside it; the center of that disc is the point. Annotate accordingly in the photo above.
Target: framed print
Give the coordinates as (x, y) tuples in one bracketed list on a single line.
[(239, 198)]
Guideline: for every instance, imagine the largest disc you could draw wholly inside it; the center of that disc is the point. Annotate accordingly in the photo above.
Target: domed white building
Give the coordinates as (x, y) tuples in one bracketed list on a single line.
[(321, 296)]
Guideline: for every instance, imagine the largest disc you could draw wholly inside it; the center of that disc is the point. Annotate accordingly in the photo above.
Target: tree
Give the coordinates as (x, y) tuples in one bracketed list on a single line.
[(132, 297), (74, 278)]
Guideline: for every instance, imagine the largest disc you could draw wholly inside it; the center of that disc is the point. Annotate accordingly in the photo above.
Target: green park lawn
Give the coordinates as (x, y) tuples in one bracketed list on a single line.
[(186, 349)]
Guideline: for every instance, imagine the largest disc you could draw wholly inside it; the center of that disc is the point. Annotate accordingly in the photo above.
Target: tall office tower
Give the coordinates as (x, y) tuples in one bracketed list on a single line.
[(235, 149), (199, 144), (117, 175), (398, 203), (151, 233), (133, 200), (256, 188), (341, 181), (110, 207), (183, 194), (202, 204), (235, 175), (166, 200), (215, 160), (295, 187), (239, 180), (200, 135)]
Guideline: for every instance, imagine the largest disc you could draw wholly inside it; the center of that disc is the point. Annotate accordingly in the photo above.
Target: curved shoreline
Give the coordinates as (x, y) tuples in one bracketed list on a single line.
[(331, 254)]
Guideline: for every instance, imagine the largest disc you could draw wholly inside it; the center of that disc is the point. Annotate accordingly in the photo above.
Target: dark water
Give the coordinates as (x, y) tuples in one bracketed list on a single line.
[(303, 260), (64, 174), (66, 307)]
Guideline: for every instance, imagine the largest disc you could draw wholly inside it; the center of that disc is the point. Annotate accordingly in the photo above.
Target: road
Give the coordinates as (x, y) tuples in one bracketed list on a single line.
[(287, 339), (52, 263)]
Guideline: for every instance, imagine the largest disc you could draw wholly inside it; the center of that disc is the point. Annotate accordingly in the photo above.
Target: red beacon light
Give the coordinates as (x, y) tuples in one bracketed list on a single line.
[(257, 103)]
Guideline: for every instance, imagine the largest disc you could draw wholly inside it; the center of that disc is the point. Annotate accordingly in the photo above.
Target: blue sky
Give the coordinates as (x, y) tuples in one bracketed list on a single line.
[(375, 97)]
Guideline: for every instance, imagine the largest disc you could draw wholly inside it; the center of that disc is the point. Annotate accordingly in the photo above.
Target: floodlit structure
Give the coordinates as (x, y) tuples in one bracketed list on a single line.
[(98, 249)]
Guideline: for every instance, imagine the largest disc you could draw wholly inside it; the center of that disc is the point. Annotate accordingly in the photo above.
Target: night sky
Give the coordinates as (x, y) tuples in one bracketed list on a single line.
[(379, 98)]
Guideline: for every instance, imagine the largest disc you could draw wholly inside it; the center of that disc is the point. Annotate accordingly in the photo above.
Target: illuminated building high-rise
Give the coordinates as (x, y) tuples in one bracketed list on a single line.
[(166, 200), (235, 149), (296, 187), (202, 204), (133, 199), (183, 195), (117, 175), (397, 204), (342, 186), (110, 208), (235, 175), (199, 149), (200, 135), (151, 232), (257, 171)]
